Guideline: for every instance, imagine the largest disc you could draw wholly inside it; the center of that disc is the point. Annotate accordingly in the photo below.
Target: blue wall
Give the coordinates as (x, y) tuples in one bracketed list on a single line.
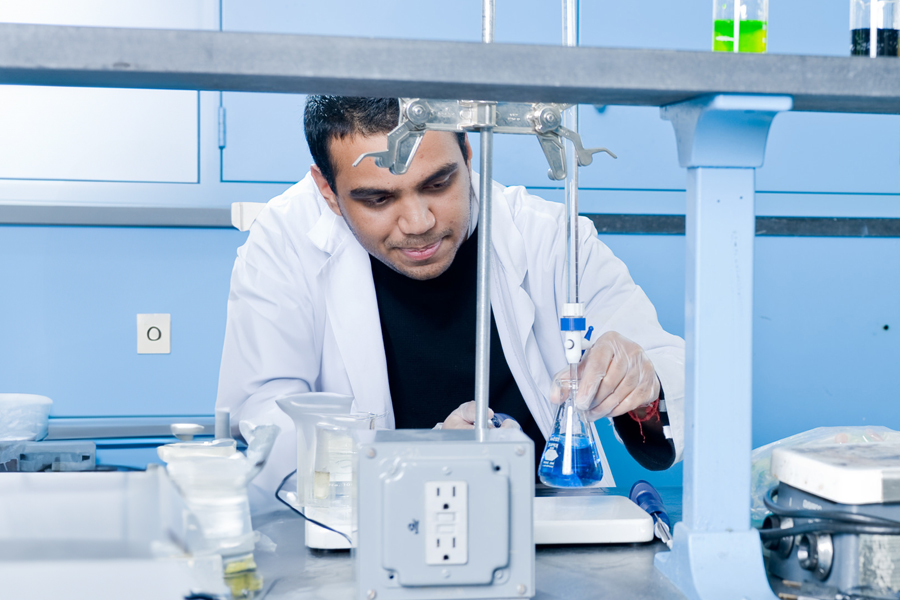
[(69, 295), (69, 300), (822, 355)]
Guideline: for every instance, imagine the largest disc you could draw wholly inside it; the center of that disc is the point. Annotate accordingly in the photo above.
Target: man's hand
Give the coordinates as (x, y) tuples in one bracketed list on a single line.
[(464, 418), (615, 377)]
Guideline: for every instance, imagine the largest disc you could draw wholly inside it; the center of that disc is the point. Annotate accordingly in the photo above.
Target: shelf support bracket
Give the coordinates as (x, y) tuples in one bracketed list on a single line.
[(721, 140)]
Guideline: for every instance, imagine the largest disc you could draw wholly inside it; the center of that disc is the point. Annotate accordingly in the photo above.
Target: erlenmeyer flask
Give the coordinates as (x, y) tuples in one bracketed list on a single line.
[(571, 457)]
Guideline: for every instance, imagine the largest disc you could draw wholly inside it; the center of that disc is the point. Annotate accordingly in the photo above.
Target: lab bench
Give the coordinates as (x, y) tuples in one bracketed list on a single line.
[(293, 572)]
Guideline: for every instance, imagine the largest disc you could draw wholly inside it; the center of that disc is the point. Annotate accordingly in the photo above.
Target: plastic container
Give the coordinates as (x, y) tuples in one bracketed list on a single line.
[(24, 417), (212, 478), (740, 25), (874, 27)]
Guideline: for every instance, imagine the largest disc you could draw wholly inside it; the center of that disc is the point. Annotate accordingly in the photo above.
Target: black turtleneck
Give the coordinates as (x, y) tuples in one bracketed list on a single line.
[(428, 328)]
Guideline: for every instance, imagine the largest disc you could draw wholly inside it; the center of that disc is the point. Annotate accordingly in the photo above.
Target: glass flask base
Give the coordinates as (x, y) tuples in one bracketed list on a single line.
[(586, 468)]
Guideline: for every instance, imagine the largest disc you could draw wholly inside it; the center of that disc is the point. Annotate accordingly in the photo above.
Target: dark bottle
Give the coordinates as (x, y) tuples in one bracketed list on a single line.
[(886, 42), (874, 27)]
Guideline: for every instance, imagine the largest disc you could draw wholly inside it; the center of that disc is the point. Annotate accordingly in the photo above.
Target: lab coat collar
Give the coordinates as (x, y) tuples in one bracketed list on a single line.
[(329, 230), (506, 239), (511, 263), (352, 306)]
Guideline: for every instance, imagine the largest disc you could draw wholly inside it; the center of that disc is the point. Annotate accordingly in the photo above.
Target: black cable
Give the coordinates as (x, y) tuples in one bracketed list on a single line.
[(105, 467), (827, 527), (313, 521), (834, 515), (826, 521)]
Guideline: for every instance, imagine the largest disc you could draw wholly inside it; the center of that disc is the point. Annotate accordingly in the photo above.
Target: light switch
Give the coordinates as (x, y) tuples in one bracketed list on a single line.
[(154, 333)]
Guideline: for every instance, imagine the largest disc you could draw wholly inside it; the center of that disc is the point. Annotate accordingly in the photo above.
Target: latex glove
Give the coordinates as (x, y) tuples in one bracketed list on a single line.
[(615, 377), (464, 418)]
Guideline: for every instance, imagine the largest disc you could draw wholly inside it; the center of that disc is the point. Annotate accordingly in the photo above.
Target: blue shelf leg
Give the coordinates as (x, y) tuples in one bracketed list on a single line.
[(721, 139)]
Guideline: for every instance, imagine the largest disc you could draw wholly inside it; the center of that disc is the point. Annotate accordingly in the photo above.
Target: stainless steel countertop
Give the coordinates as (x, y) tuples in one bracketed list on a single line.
[(291, 571)]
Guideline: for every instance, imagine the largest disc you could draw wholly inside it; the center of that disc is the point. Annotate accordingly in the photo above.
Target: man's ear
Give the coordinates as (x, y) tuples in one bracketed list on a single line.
[(326, 191)]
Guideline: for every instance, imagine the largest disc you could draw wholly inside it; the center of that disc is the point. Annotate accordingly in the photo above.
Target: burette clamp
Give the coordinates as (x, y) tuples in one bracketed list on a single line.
[(541, 119)]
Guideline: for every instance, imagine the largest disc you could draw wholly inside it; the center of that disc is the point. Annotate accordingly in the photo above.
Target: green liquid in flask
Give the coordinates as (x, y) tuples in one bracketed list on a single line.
[(751, 34)]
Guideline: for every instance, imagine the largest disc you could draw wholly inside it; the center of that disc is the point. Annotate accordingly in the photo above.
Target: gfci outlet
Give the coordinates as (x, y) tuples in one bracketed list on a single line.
[(154, 333), (446, 523), (418, 537)]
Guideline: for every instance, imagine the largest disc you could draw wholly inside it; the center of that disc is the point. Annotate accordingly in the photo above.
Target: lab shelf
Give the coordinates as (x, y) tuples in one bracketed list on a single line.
[(203, 60)]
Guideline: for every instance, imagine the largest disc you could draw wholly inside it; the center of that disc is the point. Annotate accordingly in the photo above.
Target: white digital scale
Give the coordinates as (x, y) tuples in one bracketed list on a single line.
[(591, 516)]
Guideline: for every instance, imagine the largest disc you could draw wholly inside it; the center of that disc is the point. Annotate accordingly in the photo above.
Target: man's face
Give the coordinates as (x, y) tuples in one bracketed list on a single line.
[(413, 223)]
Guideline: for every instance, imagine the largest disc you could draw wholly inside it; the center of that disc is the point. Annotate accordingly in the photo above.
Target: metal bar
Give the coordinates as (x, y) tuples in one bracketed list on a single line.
[(205, 60), (113, 216), (852, 227), (610, 224), (91, 428), (483, 269)]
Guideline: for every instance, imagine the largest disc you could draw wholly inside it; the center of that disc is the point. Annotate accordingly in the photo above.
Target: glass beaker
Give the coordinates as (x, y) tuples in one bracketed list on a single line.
[(571, 457), (334, 467), (874, 27), (740, 25)]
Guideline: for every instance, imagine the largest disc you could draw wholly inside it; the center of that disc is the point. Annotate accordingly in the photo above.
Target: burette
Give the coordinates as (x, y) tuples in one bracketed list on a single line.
[(572, 322)]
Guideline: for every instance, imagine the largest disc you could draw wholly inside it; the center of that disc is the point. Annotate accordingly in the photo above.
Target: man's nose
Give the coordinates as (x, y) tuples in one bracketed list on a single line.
[(416, 217)]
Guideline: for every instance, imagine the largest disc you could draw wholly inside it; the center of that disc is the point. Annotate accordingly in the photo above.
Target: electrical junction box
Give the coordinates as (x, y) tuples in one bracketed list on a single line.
[(442, 515)]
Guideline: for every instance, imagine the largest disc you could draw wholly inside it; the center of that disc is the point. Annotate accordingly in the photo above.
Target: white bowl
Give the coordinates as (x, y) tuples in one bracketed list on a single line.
[(24, 417)]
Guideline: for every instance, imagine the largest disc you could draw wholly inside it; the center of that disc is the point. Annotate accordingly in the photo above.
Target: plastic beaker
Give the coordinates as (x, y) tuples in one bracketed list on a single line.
[(874, 27), (740, 25), (571, 457), (326, 465)]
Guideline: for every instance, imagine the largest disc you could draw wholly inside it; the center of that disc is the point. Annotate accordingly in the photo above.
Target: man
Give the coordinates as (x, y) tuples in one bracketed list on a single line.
[(361, 282)]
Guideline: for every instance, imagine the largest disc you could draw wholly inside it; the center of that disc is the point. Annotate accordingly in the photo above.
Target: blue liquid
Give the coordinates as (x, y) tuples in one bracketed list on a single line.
[(586, 468)]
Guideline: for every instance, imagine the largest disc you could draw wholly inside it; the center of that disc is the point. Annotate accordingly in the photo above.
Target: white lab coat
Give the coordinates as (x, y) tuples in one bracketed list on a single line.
[(303, 315)]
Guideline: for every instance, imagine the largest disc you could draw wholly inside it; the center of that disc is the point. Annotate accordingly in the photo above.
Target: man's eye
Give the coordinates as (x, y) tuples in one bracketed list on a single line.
[(378, 201), (439, 185)]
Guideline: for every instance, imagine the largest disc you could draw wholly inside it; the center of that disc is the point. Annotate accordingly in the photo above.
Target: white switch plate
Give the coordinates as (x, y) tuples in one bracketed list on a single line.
[(154, 333)]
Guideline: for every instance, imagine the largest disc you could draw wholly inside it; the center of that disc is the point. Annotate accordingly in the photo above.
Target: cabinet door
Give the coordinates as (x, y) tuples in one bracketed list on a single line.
[(93, 134)]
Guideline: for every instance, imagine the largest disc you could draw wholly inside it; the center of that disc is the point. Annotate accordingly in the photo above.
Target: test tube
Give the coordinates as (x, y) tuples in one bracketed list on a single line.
[(874, 27), (740, 25)]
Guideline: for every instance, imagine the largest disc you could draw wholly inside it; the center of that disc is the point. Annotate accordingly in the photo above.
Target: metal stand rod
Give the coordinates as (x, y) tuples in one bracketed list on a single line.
[(483, 277), (483, 298), (487, 21)]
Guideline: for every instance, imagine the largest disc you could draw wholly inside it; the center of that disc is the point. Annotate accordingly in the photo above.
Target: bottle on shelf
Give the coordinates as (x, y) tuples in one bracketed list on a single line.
[(740, 25), (874, 27)]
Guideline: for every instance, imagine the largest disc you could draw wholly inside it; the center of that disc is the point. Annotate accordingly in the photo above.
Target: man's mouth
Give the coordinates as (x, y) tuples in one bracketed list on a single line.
[(421, 253)]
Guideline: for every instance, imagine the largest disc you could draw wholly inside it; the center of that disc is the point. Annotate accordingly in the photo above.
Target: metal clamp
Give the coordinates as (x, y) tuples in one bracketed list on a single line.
[(544, 120)]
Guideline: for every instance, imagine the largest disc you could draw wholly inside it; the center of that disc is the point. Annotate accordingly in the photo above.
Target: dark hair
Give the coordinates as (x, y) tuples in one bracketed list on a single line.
[(336, 117)]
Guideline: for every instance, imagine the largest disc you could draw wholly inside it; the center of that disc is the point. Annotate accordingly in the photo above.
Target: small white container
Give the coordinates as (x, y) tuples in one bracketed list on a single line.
[(24, 417)]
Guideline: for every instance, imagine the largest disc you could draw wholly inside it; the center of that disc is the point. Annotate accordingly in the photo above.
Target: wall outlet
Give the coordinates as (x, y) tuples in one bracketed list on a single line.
[(154, 333), (446, 523)]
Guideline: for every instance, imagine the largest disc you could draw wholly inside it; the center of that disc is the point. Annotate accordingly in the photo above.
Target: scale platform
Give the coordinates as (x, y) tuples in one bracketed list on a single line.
[(842, 473), (588, 516)]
